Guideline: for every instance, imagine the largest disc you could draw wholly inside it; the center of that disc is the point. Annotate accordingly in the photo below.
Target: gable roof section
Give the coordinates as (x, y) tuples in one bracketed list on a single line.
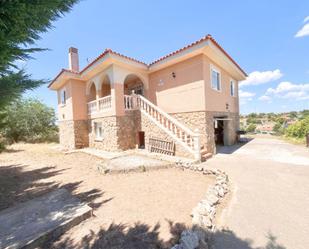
[(207, 37), (160, 60)]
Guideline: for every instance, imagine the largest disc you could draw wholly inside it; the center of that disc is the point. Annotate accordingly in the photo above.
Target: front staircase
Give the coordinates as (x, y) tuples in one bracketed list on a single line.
[(188, 139)]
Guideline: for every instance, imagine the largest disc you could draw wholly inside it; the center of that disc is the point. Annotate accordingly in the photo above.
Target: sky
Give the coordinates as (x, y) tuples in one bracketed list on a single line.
[(268, 39)]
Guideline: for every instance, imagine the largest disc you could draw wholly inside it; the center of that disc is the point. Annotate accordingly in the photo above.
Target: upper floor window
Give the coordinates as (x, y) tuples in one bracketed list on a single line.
[(232, 88), (215, 79), (63, 97)]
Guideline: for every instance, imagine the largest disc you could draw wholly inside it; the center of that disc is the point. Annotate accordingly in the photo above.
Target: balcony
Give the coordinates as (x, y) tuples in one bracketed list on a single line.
[(103, 106)]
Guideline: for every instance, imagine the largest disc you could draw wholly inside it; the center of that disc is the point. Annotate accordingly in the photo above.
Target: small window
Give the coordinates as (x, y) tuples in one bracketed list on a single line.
[(215, 79), (232, 88), (98, 130), (63, 97)]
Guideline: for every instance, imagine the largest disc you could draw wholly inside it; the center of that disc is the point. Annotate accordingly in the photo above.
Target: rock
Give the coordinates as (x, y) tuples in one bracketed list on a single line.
[(220, 191), (203, 208), (197, 219), (189, 240), (207, 221), (212, 199)]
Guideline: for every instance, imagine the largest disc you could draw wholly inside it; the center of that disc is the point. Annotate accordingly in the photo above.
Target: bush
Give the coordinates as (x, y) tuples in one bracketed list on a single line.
[(299, 129), (29, 120), (251, 128)]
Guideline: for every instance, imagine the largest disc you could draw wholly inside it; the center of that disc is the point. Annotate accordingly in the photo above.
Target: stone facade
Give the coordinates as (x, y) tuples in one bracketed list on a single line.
[(204, 122), (73, 134), (119, 133)]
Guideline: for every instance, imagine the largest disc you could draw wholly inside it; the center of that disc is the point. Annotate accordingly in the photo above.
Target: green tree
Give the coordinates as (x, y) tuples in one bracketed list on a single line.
[(251, 128), (298, 129), (29, 120), (21, 22)]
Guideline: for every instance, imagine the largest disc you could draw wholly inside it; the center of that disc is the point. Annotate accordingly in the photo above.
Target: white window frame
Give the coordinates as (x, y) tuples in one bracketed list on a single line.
[(213, 68), (232, 81), (63, 98), (98, 136)]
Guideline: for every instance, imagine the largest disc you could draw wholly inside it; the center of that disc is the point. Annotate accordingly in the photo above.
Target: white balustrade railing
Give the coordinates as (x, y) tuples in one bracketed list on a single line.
[(129, 102), (100, 104), (189, 139), (182, 134), (92, 106), (105, 103)]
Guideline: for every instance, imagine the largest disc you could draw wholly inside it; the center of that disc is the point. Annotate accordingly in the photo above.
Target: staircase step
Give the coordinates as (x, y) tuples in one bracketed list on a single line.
[(206, 156)]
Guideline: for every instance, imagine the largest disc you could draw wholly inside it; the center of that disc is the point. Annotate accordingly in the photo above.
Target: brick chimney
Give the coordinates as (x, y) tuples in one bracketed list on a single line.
[(73, 59)]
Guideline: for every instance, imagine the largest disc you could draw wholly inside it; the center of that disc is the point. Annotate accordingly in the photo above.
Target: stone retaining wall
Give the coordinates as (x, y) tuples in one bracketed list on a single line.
[(203, 215)]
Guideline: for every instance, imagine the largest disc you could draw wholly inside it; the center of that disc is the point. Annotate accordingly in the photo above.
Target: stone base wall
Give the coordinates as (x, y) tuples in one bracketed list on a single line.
[(119, 133), (73, 134), (204, 122)]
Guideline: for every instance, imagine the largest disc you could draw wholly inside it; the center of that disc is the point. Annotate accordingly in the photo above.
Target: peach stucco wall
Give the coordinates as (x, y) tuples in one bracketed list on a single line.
[(75, 107), (217, 100), (189, 91), (65, 111), (183, 93)]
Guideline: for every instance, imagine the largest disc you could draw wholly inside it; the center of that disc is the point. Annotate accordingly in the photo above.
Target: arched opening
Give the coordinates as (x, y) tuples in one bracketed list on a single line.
[(105, 87), (92, 93), (133, 83)]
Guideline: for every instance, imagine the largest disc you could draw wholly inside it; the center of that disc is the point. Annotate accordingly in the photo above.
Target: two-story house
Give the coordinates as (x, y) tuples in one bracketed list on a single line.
[(189, 97)]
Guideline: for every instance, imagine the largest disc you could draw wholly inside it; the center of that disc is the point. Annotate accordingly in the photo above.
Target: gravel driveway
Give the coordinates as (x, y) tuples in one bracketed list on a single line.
[(270, 203)]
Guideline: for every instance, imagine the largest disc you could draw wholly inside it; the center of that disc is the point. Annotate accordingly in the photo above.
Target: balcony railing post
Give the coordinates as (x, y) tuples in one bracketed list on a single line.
[(197, 145)]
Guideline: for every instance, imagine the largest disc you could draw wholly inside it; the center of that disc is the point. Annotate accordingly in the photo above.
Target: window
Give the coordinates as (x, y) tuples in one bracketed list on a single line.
[(215, 79), (232, 88), (63, 97), (98, 131)]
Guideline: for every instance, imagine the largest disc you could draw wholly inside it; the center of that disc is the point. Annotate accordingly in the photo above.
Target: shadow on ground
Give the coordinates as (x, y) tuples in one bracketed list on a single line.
[(232, 148), (142, 236), (19, 184)]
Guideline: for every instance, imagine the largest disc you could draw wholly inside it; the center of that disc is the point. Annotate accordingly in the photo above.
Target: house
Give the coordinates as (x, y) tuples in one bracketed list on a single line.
[(187, 101)]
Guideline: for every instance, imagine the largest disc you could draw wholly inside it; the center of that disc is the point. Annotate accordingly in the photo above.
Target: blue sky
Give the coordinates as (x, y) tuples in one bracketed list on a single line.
[(269, 39)]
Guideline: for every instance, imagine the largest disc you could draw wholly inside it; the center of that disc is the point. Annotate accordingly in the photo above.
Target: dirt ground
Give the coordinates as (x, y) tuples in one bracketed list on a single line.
[(134, 210)]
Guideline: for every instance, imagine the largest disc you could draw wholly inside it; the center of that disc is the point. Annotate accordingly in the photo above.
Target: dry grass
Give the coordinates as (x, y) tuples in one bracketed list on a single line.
[(151, 207)]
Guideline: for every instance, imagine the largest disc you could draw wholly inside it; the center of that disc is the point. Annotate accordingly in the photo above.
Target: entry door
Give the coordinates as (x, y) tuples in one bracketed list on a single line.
[(141, 140)]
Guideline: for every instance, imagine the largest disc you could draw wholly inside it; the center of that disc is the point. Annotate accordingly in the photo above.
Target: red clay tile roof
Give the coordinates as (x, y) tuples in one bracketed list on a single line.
[(107, 51), (207, 37), (58, 75)]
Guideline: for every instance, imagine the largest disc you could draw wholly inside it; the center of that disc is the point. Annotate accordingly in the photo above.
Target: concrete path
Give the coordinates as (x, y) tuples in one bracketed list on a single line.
[(270, 200), (30, 224)]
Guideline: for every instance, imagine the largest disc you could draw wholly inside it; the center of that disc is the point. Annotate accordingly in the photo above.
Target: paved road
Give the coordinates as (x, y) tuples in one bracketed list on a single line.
[(270, 201)]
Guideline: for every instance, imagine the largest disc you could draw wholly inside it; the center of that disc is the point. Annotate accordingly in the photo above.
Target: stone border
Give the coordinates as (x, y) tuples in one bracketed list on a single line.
[(203, 215)]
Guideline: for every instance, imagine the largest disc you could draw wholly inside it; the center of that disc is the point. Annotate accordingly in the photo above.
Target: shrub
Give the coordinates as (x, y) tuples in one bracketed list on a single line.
[(251, 128), (29, 120), (299, 129)]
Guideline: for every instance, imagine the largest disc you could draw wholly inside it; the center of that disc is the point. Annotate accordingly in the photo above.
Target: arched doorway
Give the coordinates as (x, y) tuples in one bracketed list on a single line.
[(105, 87), (133, 83), (92, 93)]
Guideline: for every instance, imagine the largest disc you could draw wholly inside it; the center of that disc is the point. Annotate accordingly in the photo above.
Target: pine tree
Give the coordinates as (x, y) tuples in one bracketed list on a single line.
[(21, 22)]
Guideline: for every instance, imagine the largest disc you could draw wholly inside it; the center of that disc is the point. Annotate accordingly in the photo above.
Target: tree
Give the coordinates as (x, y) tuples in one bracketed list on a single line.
[(298, 129), (21, 22), (251, 127), (29, 120)]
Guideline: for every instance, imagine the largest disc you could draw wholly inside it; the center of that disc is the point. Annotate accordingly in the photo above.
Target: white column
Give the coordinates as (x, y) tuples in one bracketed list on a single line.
[(197, 145)]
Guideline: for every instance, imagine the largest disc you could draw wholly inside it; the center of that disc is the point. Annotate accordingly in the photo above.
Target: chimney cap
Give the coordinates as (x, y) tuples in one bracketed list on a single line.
[(73, 50)]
